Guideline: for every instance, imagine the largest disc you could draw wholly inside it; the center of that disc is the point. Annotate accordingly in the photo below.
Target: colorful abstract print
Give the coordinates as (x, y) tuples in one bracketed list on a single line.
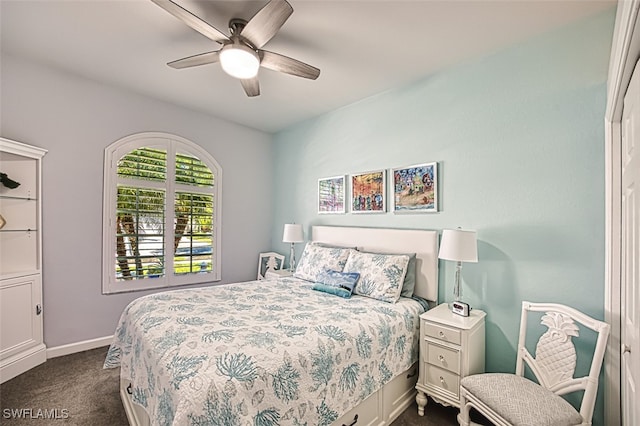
[(260, 354)]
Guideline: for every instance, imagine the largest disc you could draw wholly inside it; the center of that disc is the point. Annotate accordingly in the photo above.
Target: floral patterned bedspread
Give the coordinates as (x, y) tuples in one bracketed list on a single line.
[(260, 353)]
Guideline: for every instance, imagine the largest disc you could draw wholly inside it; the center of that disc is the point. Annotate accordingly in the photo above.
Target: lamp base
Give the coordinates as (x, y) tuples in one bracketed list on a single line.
[(460, 308), (292, 259)]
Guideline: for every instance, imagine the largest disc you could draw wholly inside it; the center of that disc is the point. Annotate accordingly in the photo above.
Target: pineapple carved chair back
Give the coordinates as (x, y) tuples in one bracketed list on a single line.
[(512, 399)]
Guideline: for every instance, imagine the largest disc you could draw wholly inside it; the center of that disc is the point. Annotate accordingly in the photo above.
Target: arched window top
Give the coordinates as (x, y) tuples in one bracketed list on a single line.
[(151, 164), (159, 142)]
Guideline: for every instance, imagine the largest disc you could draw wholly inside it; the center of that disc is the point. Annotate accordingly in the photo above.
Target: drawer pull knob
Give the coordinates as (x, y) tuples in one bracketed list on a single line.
[(441, 333), (442, 380), (355, 420), (441, 358)]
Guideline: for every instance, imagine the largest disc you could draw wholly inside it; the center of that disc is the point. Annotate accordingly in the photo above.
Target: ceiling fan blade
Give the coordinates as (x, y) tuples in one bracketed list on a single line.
[(266, 23), (281, 63), (251, 86), (196, 60), (192, 20)]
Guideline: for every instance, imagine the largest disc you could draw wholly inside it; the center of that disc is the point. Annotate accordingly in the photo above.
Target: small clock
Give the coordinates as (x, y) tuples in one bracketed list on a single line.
[(460, 308)]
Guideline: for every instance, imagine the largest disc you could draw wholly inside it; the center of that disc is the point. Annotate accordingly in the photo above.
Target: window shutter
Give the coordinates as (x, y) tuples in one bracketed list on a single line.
[(193, 238), (148, 250)]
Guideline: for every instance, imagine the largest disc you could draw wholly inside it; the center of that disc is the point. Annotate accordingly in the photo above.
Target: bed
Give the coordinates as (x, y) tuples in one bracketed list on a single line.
[(278, 351)]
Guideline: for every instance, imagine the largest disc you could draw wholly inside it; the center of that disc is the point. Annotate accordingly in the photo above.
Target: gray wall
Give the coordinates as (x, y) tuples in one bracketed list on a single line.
[(75, 119)]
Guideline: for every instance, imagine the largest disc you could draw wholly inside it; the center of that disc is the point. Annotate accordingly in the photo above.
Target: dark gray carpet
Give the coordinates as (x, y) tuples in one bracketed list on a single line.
[(78, 384)]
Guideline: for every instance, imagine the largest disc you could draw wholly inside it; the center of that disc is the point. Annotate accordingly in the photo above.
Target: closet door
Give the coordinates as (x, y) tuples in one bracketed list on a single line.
[(630, 254)]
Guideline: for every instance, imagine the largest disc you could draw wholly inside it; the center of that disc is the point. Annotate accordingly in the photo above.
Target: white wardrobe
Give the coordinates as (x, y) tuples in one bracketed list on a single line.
[(21, 341)]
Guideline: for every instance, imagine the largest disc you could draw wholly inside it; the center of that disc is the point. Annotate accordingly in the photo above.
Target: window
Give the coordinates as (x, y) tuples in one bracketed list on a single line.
[(162, 214)]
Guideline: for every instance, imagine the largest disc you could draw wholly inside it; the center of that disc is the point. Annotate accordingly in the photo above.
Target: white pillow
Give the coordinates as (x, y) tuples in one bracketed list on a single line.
[(409, 283), (315, 259), (381, 275)]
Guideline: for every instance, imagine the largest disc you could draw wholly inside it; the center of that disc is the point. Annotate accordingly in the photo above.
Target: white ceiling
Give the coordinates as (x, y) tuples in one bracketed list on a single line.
[(362, 47)]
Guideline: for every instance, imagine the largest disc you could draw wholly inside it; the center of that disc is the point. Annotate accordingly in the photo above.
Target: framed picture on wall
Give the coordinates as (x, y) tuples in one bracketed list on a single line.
[(331, 195), (415, 188), (368, 192)]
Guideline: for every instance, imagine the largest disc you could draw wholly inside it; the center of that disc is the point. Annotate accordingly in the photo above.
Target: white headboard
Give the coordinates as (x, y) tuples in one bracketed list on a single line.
[(421, 242)]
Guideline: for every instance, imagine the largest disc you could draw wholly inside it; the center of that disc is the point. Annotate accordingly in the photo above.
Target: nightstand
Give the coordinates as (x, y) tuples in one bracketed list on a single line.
[(277, 273), (451, 347)]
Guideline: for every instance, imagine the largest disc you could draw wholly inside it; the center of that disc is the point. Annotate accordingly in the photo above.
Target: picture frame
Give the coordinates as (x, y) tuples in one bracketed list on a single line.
[(331, 195), (415, 188), (369, 192)]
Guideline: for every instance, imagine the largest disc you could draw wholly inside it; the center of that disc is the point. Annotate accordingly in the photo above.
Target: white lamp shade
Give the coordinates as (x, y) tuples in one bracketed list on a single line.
[(459, 245), (293, 233)]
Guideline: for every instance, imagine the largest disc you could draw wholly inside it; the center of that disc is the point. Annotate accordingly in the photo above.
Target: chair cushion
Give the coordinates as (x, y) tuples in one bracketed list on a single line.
[(521, 401)]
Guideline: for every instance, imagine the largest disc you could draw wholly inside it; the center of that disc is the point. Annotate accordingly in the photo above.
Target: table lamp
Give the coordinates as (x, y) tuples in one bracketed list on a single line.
[(460, 246), (293, 233)]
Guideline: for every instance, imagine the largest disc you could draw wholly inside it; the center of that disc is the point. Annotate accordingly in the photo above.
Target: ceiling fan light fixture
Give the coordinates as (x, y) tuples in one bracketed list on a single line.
[(241, 54), (239, 61)]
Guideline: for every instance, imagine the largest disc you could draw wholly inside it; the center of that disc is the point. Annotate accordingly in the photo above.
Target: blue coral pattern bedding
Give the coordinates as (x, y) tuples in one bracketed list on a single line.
[(260, 353)]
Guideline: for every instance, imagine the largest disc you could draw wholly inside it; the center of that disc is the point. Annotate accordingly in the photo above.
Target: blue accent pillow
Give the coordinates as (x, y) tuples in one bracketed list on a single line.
[(337, 291), (336, 282)]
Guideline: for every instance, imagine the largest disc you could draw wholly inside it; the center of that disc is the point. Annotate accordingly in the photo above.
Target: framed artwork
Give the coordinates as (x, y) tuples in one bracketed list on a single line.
[(331, 195), (415, 188), (368, 192)]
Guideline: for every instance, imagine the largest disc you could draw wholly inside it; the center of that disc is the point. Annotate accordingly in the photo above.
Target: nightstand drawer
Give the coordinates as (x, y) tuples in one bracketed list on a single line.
[(443, 379), (446, 358), (443, 333)]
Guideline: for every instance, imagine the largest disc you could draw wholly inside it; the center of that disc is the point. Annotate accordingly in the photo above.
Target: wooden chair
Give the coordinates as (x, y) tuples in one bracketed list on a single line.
[(269, 261), (512, 399)]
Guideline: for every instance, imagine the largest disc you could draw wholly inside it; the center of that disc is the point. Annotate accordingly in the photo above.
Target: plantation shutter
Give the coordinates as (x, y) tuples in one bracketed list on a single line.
[(164, 224), (140, 215), (193, 239)]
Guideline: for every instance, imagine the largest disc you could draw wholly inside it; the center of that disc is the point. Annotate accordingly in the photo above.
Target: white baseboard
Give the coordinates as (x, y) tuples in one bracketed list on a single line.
[(73, 348), (19, 363)]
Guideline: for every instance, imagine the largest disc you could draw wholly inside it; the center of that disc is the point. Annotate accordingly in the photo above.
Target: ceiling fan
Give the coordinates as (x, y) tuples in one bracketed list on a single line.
[(241, 55)]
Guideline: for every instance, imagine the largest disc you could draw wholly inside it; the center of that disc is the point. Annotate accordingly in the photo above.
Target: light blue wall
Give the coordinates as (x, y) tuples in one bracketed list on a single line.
[(519, 141)]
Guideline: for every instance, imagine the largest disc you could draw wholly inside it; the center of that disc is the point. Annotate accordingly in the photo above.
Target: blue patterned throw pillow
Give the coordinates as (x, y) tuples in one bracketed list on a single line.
[(409, 283), (316, 259), (381, 275), (336, 282)]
